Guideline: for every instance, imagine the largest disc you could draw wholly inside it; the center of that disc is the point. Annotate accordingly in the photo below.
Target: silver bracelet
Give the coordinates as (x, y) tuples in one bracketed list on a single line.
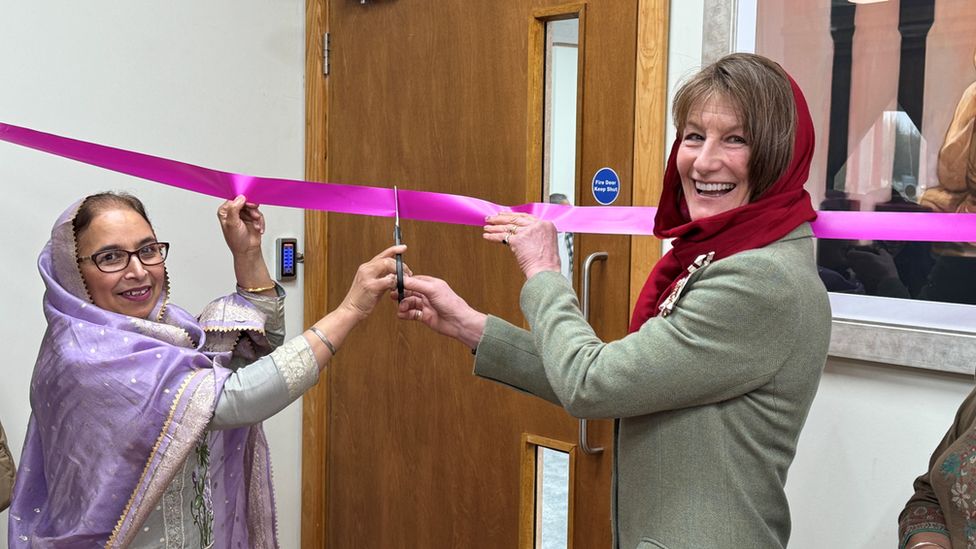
[(324, 339), (927, 544)]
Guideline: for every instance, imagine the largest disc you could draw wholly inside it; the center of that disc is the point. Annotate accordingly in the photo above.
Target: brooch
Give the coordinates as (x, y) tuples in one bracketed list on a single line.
[(698, 263)]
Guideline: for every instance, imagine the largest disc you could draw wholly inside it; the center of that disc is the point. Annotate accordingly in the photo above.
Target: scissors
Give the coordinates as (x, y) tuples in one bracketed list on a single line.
[(397, 241)]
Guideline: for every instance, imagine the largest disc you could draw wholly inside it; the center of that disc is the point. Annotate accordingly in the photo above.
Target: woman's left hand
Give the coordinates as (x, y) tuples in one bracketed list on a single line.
[(532, 240), (242, 224)]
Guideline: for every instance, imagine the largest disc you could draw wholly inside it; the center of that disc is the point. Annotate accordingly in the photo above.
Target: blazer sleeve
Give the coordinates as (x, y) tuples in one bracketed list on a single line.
[(730, 333), (507, 354), (923, 512), (7, 471)]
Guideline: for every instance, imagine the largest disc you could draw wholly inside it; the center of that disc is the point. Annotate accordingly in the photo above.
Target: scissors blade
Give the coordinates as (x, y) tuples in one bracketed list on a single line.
[(396, 207)]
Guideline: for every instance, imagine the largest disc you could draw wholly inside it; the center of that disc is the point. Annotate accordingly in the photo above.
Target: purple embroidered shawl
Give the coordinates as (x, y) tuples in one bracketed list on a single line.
[(118, 404)]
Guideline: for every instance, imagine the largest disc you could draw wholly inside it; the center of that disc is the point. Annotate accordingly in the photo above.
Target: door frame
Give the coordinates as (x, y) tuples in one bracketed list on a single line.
[(529, 489), (650, 114), (536, 99)]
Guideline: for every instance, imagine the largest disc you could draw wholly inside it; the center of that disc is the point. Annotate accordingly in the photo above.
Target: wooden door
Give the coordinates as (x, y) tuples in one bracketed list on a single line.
[(404, 447)]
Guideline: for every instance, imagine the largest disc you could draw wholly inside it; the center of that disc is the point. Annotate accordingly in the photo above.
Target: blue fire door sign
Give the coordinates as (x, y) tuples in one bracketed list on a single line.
[(606, 186)]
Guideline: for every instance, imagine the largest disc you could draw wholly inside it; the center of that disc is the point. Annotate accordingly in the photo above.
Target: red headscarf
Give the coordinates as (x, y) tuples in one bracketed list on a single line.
[(779, 210)]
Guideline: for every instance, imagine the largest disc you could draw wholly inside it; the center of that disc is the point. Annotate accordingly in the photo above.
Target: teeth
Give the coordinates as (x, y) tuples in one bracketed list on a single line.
[(135, 292), (713, 187)]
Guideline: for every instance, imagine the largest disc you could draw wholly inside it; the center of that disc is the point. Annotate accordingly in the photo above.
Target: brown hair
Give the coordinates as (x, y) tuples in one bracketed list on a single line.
[(760, 91), (98, 203)]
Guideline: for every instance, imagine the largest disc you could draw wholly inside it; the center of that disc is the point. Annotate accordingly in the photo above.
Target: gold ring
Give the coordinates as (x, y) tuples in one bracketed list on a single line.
[(418, 314), (512, 228)]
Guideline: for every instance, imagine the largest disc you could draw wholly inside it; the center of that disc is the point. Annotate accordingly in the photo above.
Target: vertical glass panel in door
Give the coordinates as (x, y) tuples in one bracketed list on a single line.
[(560, 134), (552, 499)]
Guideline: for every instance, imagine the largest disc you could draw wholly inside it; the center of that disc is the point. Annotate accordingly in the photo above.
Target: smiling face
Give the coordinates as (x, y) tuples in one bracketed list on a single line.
[(134, 290), (713, 159)]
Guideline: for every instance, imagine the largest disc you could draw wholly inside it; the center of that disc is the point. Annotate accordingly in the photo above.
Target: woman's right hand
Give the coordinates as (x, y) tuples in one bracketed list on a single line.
[(432, 301), (374, 278)]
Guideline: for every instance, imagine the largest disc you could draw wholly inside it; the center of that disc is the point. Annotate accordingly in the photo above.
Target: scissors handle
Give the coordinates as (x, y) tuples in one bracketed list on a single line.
[(399, 263)]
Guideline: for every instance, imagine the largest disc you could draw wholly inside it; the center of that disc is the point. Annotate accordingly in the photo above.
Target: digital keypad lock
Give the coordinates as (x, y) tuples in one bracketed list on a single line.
[(288, 258)]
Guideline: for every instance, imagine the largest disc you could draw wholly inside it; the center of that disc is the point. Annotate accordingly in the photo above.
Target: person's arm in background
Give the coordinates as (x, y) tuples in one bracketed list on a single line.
[(876, 268), (929, 540), (922, 519), (7, 471)]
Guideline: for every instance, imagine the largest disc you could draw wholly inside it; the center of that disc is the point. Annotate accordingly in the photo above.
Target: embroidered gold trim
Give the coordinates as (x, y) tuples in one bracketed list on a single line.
[(166, 290), (217, 330), (167, 333), (74, 251), (173, 511), (257, 496), (297, 365), (251, 319), (258, 492), (221, 341), (145, 471)]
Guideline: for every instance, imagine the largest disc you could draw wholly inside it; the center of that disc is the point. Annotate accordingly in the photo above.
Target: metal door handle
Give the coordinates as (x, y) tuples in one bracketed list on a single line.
[(587, 267)]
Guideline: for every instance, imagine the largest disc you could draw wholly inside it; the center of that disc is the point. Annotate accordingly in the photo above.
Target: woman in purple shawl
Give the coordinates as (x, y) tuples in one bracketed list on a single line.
[(145, 428)]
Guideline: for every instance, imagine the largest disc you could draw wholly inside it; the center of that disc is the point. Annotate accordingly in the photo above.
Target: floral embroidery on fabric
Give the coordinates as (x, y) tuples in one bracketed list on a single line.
[(960, 496), (959, 469), (202, 506)]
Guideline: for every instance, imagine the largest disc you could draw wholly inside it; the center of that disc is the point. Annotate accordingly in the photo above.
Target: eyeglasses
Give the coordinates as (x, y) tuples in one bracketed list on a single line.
[(113, 261)]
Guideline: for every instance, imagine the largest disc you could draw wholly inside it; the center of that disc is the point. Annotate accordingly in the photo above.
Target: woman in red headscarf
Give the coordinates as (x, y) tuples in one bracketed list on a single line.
[(728, 338)]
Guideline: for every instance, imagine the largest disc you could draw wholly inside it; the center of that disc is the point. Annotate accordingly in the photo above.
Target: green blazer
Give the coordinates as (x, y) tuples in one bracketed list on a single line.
[(710, 399)]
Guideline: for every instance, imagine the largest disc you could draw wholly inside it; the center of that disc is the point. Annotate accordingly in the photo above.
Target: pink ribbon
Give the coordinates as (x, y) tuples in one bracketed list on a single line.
[(920, 226), (449, 208)]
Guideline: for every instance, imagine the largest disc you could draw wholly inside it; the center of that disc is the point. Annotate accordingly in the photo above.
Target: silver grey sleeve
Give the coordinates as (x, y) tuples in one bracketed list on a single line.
[(266, 386), (274, 309)]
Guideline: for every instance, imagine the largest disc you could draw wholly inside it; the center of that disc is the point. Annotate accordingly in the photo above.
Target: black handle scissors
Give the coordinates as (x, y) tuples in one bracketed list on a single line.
[(397, 241)]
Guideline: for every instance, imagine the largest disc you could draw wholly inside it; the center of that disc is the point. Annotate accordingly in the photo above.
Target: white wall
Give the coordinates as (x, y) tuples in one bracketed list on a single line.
[(217, 83), (872, 427), (871, 431)]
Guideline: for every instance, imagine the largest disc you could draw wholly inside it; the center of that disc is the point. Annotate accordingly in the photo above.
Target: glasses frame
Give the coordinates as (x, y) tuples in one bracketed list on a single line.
[(128, 259)]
